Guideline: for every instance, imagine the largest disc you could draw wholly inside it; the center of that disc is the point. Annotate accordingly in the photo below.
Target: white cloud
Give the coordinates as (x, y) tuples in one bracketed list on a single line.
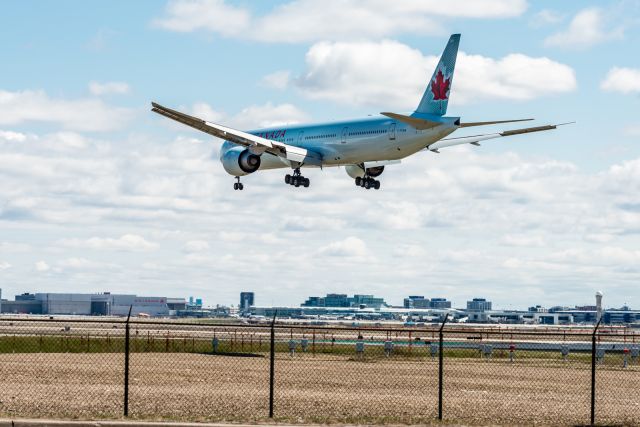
[(599, 237), (42, 266), (268, 115), (523, 240), (349, 247), (67, 140), (308, 20), (623, 80), (196, 246), (352, 73), (4, 265), (76, 263), (206, 112), (405, 250), (586, 29), (8, 135), (11, 247), (127, 242), (85, 114), (277, 80), (211, 15), (632, 130), (252, 117), (106, 88), (545, 17)]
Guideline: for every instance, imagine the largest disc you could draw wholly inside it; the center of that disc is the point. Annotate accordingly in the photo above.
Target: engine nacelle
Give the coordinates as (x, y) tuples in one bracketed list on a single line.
[(239, 161), (355, 171)]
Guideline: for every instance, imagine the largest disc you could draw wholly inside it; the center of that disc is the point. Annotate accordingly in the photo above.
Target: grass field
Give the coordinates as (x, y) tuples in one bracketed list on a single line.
[(81, 343), (320, 388)]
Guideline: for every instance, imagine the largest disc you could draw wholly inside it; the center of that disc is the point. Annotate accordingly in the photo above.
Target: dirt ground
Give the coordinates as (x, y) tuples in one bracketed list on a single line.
[(194, 387)]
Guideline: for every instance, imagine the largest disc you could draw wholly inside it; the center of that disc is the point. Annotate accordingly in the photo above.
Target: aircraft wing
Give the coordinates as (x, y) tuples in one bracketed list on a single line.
[(255, 143), (475, 139)]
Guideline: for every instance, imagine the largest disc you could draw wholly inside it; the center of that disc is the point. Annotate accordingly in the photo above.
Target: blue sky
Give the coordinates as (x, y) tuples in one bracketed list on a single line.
[(100, 194)]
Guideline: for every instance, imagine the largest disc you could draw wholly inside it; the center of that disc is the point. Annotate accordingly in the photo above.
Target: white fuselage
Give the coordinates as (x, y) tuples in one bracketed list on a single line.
[(350, 142)]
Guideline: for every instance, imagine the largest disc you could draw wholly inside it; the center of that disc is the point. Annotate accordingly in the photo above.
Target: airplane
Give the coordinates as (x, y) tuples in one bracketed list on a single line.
[(363, 146)]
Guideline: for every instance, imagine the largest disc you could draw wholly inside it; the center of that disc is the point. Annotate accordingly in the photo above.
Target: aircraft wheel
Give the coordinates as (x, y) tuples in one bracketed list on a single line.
[(235, 185), (367, 184), (307, 182), (287, 178), (358, 181), (240, 187), (296, 182), (376, 185)]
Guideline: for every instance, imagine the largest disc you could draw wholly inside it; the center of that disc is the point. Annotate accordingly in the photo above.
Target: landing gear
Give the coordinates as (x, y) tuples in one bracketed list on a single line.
[(238, 185), (367, 182), (297, 179)]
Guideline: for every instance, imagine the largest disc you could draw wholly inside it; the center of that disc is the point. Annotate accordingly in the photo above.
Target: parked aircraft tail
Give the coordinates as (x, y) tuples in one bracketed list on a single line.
[(436, 96)]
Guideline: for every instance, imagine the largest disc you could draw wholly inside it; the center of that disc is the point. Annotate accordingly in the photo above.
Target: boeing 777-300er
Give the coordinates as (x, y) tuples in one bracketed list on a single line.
[(364, 146)]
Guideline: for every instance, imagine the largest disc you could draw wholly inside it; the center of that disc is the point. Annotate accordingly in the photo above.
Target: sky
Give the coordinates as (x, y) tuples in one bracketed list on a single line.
[(97, 193)]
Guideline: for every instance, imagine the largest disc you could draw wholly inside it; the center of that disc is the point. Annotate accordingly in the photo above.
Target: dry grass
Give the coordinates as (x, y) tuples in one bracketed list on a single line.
[(313, 389)]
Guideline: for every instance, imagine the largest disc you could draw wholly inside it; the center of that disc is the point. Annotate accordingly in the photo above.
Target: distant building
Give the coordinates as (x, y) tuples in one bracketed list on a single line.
[(586, 307), (104, 304), (336, 300), (416, 301), (177, 304), (342, 300), (26, 297), (419, 301), (439, 303), (366, 300), (557, 308), (479, 304), (331, 300), (23, 304), (246, 301)]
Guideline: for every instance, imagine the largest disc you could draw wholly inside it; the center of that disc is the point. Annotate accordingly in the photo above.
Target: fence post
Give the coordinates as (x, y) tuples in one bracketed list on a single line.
[(440, 367), (272, 367), (593, 373), (126, 365)]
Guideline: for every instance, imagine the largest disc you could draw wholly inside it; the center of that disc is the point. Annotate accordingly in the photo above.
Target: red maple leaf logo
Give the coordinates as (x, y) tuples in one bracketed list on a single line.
[(440, 87)]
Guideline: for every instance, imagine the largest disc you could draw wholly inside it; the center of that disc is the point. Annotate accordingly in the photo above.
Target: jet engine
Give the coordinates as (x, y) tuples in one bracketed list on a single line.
[(355, 171), (239, 161)]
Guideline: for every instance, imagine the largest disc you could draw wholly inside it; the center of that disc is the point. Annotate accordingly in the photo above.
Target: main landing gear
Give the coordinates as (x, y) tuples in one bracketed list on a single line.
[(297, 179), (238, 185), (368, 183)]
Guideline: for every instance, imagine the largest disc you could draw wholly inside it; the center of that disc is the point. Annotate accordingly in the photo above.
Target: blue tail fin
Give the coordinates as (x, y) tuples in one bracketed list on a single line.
[(436, 96)]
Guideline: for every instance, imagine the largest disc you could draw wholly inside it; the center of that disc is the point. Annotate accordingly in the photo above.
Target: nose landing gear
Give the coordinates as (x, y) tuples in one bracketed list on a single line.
[(238, 185), (297, 179)]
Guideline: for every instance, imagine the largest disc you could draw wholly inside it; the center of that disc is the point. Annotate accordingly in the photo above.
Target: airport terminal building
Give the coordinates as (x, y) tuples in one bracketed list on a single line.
[(104, 304)]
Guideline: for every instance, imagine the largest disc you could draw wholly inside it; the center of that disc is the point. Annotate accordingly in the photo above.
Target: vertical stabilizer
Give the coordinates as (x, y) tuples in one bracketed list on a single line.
[(436, 96)]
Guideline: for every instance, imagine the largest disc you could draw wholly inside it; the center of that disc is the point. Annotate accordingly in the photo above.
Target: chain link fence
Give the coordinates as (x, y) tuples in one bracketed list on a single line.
[(184, 371)]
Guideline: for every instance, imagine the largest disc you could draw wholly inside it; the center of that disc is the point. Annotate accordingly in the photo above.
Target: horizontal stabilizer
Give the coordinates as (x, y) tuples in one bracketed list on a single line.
[(530, 130), (414, 122), (497, 122), (475, 139)]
